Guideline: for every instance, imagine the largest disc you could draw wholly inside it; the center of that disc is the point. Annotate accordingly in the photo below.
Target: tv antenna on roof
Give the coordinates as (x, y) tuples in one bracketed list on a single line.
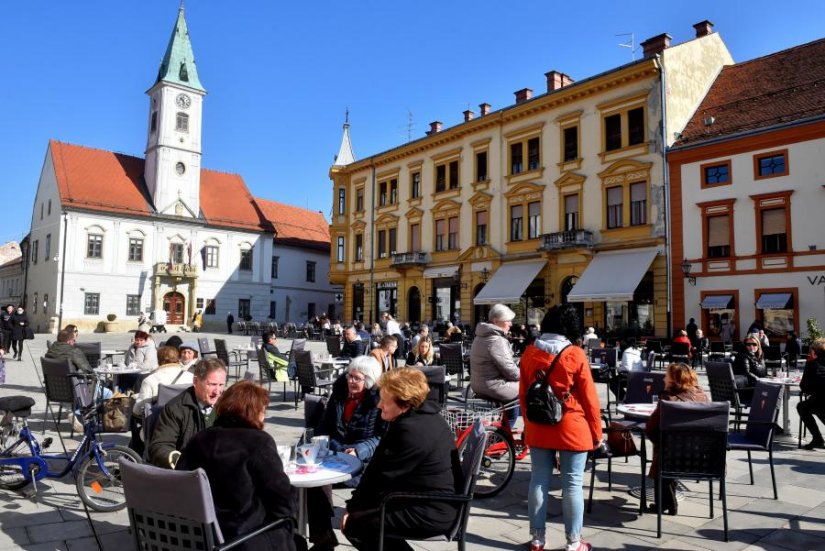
[(410, 125), (631, 44)]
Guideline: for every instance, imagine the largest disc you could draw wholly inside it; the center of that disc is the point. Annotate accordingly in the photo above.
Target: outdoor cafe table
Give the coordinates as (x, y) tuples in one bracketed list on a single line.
[(111, 353), (115, 371), (334, 468), (640, 412), (787, 383)]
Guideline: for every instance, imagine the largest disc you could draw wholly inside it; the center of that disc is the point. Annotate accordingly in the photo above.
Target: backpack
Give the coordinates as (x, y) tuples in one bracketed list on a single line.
[(543, 407)]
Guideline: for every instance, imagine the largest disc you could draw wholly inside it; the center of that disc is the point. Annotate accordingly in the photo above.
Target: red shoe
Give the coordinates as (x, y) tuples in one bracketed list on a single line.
[(536, 545), (581, 546)]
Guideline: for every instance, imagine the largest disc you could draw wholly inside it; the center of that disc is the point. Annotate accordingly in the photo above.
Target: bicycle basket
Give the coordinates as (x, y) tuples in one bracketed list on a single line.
[(460, 419)]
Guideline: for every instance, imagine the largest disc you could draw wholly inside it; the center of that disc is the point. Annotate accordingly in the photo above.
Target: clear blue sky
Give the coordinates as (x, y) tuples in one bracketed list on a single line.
[(280, 74)]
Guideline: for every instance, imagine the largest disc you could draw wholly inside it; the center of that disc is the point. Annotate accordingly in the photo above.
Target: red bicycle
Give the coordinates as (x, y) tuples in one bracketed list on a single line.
[(504, 446)]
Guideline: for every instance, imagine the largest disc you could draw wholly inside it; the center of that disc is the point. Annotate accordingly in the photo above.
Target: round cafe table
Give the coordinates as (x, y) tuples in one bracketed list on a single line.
[(334, 468), (787, 384), (636, 411)]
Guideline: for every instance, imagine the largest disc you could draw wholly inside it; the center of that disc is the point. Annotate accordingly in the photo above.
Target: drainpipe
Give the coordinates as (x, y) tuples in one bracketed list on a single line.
[(666, 190), (63, 270), (372, 248)]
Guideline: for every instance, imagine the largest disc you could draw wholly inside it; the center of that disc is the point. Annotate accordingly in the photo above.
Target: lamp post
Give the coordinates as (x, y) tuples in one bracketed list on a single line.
[(686, 268)]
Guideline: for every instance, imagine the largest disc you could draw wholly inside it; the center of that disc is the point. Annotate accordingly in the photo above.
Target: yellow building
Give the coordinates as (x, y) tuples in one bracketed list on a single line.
[(558, 197)]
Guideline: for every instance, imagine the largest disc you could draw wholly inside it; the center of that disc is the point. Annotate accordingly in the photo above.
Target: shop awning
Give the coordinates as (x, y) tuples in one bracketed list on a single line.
[(773, 301), (440, 271), (509, 282), (612, 276), (717, 302)]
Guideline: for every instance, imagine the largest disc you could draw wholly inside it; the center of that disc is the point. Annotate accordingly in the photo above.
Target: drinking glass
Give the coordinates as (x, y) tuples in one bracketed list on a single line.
[(655, 399), (308, 434), (284, 452), (323, 445), (309, 452)]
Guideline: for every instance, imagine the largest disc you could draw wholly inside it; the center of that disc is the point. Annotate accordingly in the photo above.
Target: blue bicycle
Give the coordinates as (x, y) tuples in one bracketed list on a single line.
[(94, 462)]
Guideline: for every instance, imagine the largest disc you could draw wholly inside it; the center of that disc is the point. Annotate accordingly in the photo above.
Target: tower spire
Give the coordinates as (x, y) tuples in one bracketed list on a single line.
[(178, 65), (345, 155)]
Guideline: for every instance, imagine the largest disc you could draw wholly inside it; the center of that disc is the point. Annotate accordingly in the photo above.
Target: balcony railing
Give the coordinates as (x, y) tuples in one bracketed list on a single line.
[(176, 270), (566, 240), (409, 259)]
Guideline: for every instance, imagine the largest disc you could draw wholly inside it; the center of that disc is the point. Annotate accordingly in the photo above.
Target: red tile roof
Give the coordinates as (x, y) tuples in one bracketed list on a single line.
[(779, 88), (297, 226), (99, 180)]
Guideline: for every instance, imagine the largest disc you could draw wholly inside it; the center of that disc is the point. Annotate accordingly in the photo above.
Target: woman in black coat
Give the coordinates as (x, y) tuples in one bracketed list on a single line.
[(417, 454), (748, 366), (249, 487), (19, 323)]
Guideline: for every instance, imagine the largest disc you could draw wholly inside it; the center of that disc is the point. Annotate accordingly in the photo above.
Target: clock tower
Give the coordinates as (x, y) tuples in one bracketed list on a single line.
[(173, 147)]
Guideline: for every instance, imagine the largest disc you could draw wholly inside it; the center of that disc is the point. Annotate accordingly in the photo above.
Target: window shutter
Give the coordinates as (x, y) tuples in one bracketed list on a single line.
[(718, 231), (773, 222)]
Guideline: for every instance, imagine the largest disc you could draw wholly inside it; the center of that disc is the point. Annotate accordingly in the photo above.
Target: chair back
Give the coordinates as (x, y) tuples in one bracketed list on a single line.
[(472, 455), (655, 346), (297, 344), (721, 382), (334, 346), (693, 439), (59, 387), (167, 392), (203, 345), (437, 379), (764, 413), (256, 340), (611, 356), (773, 353), (314, 406), (598, 355), (264, 367), (651, 360), (222, 351), (307, 377), (642, 386), (452, 357), (92, 351), (169, 506), (680, 350), (593, 344)]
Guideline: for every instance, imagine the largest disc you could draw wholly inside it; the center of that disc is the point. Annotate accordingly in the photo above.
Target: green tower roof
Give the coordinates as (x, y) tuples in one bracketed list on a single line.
[(178, 65)]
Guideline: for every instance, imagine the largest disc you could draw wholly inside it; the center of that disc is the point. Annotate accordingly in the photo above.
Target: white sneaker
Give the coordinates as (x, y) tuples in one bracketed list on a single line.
[(77, 425), (579, 546)]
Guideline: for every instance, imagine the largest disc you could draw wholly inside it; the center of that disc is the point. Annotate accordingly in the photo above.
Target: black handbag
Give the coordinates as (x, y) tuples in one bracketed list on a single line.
[(543, 407)]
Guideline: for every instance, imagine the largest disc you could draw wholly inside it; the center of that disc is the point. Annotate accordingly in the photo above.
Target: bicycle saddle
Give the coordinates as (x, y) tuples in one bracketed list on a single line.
[(19, 406)]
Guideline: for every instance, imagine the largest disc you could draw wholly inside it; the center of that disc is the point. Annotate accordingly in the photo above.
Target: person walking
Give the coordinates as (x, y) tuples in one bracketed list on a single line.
[(19, 325), (5, 326), (230, 321), (579, 431)]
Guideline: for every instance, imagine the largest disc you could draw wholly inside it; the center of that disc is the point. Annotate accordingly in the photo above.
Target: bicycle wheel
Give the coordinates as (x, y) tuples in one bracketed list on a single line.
[(497, 465), (99, 490)]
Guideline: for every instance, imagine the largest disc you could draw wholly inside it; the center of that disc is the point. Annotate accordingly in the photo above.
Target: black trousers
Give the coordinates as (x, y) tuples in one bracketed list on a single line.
[(17, 348), (320, 513), (362, 528), (807, 409), (5, 340)]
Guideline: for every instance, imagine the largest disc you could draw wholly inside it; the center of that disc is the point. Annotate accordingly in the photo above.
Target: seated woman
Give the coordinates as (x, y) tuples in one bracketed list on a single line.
[(278, 362), (681, 385), (422, 353), (188, 352), (748, 366), (405, 462), (141, 354), (385, 353), (631, 361), (249, 487), (353, 423)]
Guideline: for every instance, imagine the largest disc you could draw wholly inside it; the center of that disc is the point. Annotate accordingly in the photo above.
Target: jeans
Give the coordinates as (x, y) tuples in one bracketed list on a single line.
[(572, 500)]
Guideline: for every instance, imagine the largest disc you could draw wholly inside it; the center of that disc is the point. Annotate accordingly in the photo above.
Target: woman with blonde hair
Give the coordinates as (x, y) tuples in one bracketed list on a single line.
[(748, 367), (422, 353)]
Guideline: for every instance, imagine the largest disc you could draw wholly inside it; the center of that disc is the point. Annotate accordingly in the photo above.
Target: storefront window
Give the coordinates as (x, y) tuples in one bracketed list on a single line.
[(778, 322), (720, 324)]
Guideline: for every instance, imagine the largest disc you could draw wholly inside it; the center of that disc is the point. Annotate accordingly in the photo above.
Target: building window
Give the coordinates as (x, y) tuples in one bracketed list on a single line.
[(777, 308), (35, 251), (636, 126), (481, 166), (440, 178), (246, 260), (91, 304), (41, 211), (210, 307), (311, 271), (415, 185), (638, 204), (310, 310), (154, 124), (244, 309), (571, 212), (452, 239), (342, 201), (719, 318), (176, 253), (516, 222), (45, 303), (615, 205), (49, 208), (570, 135), (453, 166), (481, 227), (624, 127), (393, 191), (274, 269), (48, 247), (715, 174), (440, 229), (382, 243), (533, 220), (273, 309), (415, 238), (182, 123), (446, 175), (94, 246), (771, 164), (718, 229), (359, 200), (198, 303), (340, 247), (774, 236), (210, 256), (132, 305), (612, 132), (359, 247), (382, 194), (35, 305), (135, 249), (392, 235)]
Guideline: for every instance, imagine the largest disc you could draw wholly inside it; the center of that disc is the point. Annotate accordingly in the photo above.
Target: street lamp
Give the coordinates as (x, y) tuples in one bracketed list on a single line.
[(485, 274), (686, 267)]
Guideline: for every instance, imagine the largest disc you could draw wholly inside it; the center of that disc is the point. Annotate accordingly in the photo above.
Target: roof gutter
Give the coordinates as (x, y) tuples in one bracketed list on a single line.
[(666, 192)]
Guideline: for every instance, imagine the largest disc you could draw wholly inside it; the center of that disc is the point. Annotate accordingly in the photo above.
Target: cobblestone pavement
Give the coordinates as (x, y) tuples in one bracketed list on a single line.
[(55, 519)]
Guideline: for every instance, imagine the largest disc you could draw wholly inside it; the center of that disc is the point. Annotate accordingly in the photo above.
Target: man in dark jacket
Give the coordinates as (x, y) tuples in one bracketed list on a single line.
[(187, 413), (813, 384), (5, 326), (353, 346), (64, 348)]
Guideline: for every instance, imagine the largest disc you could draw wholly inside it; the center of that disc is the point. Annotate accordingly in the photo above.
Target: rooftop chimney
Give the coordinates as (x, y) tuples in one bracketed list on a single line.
[(435, 128), (523, 95), (656, 44), (703, 28), (557, 80), (483, 109), (468, 115)]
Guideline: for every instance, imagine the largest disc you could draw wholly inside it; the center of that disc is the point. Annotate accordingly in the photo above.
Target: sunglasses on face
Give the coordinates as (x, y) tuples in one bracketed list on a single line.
[(751, 344)]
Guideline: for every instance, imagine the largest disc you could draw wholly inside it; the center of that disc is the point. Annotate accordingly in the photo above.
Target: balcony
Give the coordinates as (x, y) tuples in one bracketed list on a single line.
[(566, 240), (409, 259), (176, 270)]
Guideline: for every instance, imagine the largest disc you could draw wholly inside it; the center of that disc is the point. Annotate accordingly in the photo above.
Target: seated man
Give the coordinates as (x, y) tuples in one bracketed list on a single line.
[(186, 414), (353, 346), (65, 348), (278, 363), (813, 384)]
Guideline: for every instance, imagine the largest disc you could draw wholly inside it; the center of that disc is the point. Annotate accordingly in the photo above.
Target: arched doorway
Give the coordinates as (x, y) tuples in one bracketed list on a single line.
[(175, 306), (567, 286), (414, 305)]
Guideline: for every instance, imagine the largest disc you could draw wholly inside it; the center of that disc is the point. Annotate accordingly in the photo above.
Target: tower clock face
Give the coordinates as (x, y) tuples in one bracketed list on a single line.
[(180, 168), (183, 101)]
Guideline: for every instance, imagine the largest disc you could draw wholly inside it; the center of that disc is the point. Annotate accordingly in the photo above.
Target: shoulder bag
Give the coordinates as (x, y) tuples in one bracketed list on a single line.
[(543, 407)]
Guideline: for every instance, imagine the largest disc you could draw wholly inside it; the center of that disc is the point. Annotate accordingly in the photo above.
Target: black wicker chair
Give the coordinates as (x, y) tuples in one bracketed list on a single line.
[(723, 389)]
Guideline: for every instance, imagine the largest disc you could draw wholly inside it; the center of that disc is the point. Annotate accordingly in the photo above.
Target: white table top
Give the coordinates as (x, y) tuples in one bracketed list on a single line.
[(639, 411), (334, 468), (784, 381), (112, 352), (114, 370)]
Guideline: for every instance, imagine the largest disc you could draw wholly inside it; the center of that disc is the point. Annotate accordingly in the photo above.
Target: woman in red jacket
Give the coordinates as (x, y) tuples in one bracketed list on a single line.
[(579, 431)]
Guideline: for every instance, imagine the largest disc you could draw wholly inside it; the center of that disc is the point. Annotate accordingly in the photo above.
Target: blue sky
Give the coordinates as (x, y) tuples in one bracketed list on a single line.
[(280, 75)]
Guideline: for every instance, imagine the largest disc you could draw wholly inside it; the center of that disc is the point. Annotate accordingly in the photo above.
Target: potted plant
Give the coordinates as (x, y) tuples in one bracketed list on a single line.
[(110, 324)]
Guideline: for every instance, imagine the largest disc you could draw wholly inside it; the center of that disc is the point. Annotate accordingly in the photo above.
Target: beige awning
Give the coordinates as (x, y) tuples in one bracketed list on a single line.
[(509, 282), (612, 276)]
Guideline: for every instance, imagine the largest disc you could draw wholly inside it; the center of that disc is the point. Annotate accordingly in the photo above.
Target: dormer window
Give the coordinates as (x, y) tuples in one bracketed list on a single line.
[(183, 74), (182, 122)]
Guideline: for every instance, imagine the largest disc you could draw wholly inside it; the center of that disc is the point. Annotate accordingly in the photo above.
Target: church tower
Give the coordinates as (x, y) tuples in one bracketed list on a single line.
[(173, 147)]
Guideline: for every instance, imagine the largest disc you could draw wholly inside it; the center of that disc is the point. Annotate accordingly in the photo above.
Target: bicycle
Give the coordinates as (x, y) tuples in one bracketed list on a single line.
[(94, 463), (504, 447)]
